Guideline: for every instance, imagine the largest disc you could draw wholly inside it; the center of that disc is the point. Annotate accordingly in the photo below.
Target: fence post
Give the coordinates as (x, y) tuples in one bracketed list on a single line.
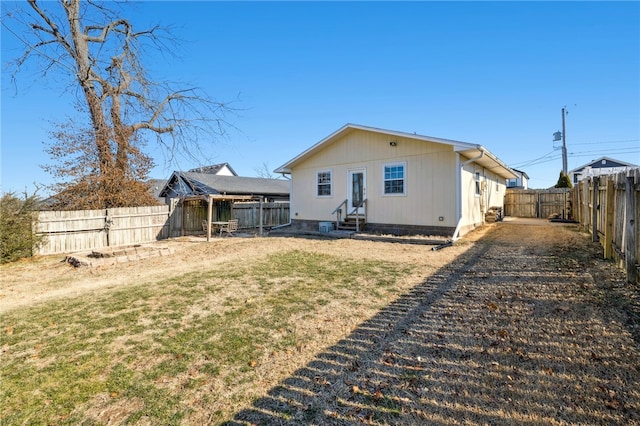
[(594, 210), (608, 227), (172, 207), (630, 233), (261, 213), (586, 205), (107, 225)]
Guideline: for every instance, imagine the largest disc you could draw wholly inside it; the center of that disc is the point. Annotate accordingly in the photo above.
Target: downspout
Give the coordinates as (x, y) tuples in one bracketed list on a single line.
[(459, 190)]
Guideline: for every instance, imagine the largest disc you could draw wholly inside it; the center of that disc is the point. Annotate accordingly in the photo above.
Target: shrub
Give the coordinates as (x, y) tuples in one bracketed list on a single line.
[(17, 222), (564, 181)]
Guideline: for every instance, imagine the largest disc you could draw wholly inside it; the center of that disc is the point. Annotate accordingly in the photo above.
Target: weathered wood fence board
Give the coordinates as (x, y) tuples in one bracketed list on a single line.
[(133, 225), (538, 203), (85, 230), (192, 213), (248, 214), (607, 207), (68, 231), (81, 230)]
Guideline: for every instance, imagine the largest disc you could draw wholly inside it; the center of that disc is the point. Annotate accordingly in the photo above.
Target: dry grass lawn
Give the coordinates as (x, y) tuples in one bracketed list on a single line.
[(513, 324)]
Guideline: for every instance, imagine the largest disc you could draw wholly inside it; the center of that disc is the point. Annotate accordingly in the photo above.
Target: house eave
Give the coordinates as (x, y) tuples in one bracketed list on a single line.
[(469, 150), (488, 161)]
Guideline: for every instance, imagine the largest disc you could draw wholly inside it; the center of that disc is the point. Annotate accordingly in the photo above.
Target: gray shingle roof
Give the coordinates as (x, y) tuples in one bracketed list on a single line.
[(239, 184), (206, 183)]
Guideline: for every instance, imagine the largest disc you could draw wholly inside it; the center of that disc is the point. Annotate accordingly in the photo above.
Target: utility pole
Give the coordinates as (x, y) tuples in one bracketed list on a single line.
[(564, 144)]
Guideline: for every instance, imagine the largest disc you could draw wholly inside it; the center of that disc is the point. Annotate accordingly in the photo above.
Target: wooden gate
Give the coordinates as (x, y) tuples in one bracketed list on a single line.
[(538, 203)]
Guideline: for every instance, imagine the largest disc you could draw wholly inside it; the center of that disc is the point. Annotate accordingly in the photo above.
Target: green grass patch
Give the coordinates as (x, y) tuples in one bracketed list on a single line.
[(153, 348)]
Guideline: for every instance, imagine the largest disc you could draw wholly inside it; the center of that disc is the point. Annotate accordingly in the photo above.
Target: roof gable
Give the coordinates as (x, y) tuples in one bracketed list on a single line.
[(480, 154), (601, 163), (223, 169)]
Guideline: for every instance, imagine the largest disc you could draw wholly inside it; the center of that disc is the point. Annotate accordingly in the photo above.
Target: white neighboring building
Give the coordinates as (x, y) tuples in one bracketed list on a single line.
[(601, 166), (223, 169), (520, 182)]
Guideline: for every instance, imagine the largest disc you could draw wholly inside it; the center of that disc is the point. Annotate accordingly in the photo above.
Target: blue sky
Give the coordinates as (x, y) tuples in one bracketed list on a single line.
[(491, 73)]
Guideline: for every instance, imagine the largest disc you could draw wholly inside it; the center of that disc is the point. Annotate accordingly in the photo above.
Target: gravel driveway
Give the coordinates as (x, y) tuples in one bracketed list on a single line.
[(529, 326)]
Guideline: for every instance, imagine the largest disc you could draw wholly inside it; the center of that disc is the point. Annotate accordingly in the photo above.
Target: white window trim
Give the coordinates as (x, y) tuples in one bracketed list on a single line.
[(405, 179), (477, 184), (330, 171)]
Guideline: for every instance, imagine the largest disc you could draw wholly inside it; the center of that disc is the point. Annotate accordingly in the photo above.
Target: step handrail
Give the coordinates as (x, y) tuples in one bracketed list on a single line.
[(338, 212), (356, 210)]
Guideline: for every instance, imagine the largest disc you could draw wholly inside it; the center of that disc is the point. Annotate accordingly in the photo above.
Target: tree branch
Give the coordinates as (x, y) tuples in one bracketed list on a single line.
[(54, 28)]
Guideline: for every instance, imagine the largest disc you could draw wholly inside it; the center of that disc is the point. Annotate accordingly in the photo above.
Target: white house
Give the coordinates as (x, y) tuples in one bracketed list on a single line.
[(396, 182), (601, 166), (520, 182)]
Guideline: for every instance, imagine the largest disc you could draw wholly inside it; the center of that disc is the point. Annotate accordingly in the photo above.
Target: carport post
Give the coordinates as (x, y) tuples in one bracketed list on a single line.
[(261, 213), (209, 214)]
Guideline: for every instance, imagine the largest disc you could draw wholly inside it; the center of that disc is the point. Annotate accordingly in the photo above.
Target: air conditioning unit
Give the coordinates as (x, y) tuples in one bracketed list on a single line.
[(325, 226)]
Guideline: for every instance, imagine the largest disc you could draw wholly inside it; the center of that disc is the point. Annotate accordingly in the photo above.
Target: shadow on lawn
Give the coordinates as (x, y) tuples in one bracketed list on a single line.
[(503, 335)]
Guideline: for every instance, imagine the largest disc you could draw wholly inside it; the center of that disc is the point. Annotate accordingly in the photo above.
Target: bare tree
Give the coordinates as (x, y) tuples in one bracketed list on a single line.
[(102, 55), (265, 172)]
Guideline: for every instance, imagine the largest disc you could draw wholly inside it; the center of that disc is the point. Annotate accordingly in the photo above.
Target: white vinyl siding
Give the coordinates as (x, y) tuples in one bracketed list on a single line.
[(430, 174)]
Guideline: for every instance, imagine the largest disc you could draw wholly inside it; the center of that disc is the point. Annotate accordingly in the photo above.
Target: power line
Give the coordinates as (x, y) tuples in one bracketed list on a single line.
[(551, 156), (614, 151), (528, 162), (591, 155), (550, 159), (601, 142)]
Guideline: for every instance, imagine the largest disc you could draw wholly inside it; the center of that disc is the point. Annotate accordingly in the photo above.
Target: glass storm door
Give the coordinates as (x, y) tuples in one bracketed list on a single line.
[(357, 190)]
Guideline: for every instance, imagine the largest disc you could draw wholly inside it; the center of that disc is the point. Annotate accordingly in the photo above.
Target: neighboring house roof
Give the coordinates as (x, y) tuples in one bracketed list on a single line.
[(214, 169), (608, 162), (155, 186), (521, 173), (191, 183), (480, 154)]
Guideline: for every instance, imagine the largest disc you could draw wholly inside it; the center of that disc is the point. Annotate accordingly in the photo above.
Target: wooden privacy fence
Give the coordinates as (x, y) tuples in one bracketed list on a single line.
[(538, 203), (607, 207), (248, 214), (70, 231), (85, 230), (189, 214)]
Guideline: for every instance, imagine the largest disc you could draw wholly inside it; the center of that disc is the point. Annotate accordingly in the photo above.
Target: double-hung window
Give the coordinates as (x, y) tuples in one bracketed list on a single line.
[(395, 179), (323, 183), (478, 184)]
